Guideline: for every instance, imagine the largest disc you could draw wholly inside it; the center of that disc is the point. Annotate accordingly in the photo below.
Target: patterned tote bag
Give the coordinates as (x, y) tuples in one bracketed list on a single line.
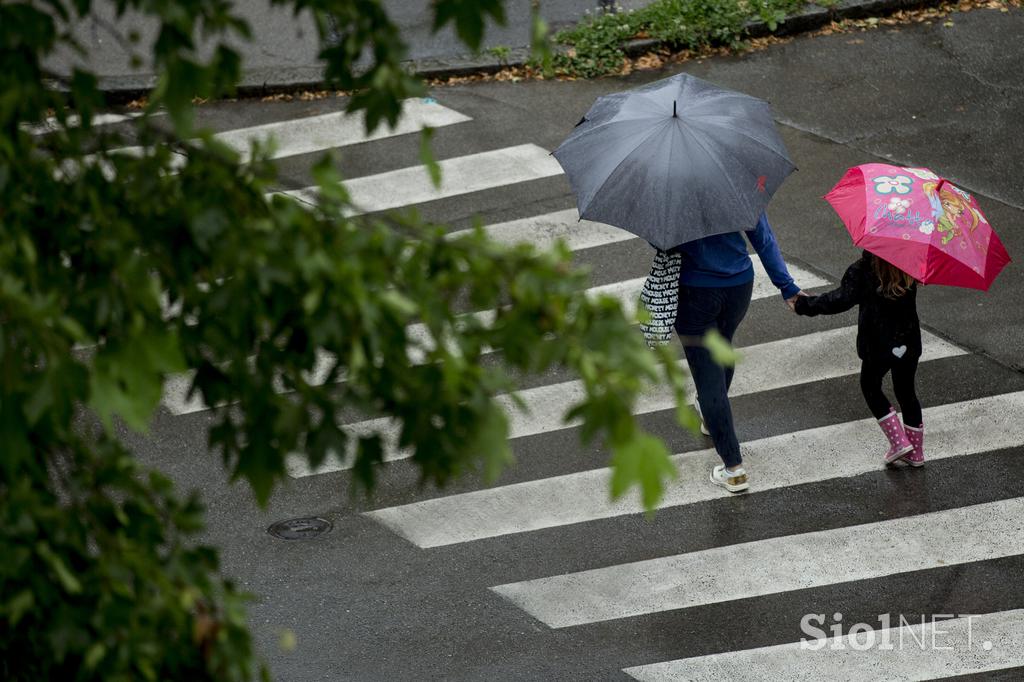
[(660, 296)]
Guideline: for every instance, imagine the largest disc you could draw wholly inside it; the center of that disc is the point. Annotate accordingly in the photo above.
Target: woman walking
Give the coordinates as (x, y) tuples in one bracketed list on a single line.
[(688, 166), (716, 279)]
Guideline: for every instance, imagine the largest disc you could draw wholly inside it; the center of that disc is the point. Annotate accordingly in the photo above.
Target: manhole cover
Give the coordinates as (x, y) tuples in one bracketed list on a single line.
[(300, 529)]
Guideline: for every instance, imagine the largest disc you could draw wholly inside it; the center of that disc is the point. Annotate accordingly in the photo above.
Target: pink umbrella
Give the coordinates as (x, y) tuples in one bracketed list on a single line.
[(919, 222)]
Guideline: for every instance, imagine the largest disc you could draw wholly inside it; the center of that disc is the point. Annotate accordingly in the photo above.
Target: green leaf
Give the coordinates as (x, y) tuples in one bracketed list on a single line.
[(400, 304), (260, 463), (85, 94), (287, 640), (28, 249), (468, 17), (540, 41), (18, 606), (94, 655), (427, 156), (67, 579), (40, 401), (369, 455), (176, 87), (491, 442), (127, 379), (73, 329), (328, 179), (643, 461), (687, 417), (721, 350)]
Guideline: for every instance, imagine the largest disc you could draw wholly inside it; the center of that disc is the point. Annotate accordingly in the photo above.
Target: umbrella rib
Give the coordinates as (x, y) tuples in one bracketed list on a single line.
[(719, 97), (601, 126), (598, 186), (740, 131), (675, 134)]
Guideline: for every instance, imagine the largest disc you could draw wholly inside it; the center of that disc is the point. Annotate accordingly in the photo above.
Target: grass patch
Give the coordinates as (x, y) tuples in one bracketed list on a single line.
[(595, 45), (501, 53)]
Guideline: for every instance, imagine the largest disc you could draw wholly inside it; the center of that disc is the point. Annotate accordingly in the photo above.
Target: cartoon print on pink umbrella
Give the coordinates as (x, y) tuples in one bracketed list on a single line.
[(897, 205), (898, 184), (951, 209), (920, 223)]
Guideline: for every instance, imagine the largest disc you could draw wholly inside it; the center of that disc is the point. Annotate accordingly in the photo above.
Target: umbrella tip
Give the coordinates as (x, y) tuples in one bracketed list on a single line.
[(674, 115)]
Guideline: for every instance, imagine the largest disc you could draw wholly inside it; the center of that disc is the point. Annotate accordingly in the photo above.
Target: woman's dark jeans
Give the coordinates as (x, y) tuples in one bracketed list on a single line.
[(702, 309)]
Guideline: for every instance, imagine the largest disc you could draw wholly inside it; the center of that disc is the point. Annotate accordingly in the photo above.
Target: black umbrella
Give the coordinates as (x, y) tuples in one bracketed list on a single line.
[(675, 160)]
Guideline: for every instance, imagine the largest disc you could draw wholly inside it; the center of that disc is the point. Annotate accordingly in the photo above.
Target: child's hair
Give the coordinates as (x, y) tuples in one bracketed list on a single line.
[(893, 282)]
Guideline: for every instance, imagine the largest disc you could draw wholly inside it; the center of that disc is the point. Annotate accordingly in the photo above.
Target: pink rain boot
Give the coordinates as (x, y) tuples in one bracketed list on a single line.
[(916, 437), (892, 427)]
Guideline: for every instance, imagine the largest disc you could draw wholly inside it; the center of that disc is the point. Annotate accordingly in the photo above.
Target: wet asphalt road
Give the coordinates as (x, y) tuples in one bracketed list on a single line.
[(368, 605)]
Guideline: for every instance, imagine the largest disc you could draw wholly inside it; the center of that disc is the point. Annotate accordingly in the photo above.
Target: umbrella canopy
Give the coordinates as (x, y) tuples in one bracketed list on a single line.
[(924, 225), (676, 160)]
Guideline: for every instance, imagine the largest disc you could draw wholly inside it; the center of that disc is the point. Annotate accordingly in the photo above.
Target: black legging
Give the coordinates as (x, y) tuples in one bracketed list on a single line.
[(903, 371)]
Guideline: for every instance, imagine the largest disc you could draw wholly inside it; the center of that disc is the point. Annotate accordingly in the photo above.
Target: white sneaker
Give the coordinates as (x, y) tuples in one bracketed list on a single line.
[(733, 481), (700, 415)]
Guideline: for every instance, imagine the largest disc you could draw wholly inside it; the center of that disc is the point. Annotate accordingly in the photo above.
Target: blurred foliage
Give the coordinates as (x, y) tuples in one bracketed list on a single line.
[(119, 269)]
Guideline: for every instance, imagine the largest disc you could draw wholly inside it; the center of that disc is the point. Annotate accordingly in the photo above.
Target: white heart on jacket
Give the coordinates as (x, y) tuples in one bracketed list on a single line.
[(899, 351)]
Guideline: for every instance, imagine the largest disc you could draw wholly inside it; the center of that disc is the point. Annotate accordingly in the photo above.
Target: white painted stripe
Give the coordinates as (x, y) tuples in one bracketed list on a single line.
[(768, 366), (337, 129), (176, 399), (905, 651), (176, 387), (627, 293), (810, 456), (325, 131), (782, 363), (459, 175), (51, 123), (792, 562), (544, 230), (541, 231)]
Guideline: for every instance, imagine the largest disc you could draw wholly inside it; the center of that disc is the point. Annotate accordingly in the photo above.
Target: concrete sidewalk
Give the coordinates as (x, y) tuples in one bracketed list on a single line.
[(282, 53), (284, 46)]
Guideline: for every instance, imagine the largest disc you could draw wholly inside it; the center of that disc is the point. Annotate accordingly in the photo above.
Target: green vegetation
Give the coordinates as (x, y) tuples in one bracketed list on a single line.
[(596, 44), (117, 270), (501, 53)]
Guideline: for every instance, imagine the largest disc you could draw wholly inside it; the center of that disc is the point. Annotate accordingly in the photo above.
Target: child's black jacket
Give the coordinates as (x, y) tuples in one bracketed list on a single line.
[(887, 329)]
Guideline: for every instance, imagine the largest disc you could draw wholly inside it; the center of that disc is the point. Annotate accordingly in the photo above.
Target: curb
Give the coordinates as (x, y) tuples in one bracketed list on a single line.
[(264, 82), (809, 19)]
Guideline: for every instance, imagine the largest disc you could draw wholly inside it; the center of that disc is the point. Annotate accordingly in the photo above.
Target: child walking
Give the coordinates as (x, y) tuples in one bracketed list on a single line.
[(888, 340)]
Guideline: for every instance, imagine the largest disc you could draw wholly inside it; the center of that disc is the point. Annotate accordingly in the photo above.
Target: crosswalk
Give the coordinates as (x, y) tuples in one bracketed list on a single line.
[(783, 461), (782, 564), (460, 175), (810, 358), (311, 134), (560, 512)]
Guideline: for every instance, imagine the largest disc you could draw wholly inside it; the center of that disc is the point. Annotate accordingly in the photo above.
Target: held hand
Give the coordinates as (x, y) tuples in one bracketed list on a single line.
[(791, 302)]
